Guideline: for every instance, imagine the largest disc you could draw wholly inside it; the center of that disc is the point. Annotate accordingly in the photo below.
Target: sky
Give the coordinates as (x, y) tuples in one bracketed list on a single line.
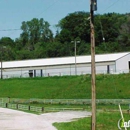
[(14, 12)]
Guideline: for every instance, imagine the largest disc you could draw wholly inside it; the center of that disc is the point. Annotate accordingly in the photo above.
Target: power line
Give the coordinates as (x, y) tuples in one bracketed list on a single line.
[(110, 5), (5, 30), (9, 30), (48, 7)]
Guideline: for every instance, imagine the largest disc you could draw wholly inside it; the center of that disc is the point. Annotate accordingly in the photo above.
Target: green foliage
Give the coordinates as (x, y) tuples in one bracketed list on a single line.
[(104, 27), (36, 39), (75, 25), (7, 41), (34, 31), (124, 38), (108, 47)]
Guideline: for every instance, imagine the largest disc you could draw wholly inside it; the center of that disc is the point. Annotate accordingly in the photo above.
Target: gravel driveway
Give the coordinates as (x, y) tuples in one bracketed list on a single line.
[(17, 120)]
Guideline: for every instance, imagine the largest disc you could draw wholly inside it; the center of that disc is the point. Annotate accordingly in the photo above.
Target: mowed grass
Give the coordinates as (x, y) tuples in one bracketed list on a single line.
[(105, 121), (67, 87)]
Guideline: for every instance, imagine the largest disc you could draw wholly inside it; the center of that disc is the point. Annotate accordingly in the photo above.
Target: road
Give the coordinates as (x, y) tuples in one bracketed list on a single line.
[(18, 120)]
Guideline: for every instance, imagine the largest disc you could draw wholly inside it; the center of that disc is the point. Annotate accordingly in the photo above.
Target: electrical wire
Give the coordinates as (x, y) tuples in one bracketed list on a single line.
[(48, 7), (9, 30), (110, 6), (54, 4), (36, 16)]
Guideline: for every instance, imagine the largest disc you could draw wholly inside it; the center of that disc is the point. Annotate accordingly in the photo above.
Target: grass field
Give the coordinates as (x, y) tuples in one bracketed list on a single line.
[(74, 87), (67, 87), (105, 121)]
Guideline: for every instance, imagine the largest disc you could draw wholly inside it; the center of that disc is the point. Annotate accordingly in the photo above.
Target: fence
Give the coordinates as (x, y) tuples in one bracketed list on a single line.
[(63, 101), (22, 107), (15, 103)]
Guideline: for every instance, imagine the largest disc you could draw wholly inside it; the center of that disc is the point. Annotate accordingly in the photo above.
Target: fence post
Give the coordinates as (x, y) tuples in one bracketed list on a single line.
[(17, 107), (29, 108), (129, 109), (42, 109), (6, 105), (9, 99)]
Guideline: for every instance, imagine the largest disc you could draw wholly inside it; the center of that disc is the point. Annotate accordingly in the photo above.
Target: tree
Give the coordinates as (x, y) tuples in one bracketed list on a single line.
[(7, 41), (124, 37), (75, 25), (34, 31), (8, 45), (107, 26)]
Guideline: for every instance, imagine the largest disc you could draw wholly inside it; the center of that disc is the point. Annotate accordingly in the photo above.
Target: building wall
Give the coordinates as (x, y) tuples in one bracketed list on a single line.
[(15, 73), (81, 69), (122, 64), (66, 65), (60, 70)]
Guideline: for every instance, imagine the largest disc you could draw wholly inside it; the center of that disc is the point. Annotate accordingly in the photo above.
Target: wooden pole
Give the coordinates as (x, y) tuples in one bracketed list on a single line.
[(93, 71), (75, 58), (2, 47), (1, 63), (1, 67)]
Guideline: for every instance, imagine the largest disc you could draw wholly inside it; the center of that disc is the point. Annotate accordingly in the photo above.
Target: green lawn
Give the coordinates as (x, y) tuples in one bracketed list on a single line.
[(105, 121), (67, 87)]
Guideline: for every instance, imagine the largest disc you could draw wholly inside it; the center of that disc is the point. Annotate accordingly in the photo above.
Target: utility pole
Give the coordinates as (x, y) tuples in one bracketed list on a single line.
[(2, 47), (75, 44), (75, 58), (93, 7), (1, 67), (1, 63)]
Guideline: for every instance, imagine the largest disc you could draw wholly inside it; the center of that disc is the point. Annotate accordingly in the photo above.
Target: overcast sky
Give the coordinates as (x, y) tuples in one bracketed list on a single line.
[(13, 12)]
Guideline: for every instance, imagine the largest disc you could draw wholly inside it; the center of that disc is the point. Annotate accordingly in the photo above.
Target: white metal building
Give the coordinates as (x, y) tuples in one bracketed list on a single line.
[(105, 63)]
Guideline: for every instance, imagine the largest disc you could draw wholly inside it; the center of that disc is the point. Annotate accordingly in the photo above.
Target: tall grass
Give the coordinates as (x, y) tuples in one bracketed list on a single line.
[(66, 87)]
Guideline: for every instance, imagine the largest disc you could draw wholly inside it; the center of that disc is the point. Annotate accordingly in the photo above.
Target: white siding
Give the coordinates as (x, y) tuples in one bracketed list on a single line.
[(117, 63), (122, 64), (112, 68)]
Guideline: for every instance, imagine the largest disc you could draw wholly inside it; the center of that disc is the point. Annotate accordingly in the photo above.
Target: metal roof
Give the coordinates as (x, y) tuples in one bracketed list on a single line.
[(63, 60)]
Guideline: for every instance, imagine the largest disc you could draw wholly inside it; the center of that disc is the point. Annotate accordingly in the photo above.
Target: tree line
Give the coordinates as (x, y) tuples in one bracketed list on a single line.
[(112, 34)]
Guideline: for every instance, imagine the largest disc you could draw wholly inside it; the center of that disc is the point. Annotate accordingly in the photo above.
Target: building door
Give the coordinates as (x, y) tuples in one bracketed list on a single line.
[(129, 65), (108, 69)]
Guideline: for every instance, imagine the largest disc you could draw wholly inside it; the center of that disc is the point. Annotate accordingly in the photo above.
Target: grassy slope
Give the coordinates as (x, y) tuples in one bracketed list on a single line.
[(75, 87)]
